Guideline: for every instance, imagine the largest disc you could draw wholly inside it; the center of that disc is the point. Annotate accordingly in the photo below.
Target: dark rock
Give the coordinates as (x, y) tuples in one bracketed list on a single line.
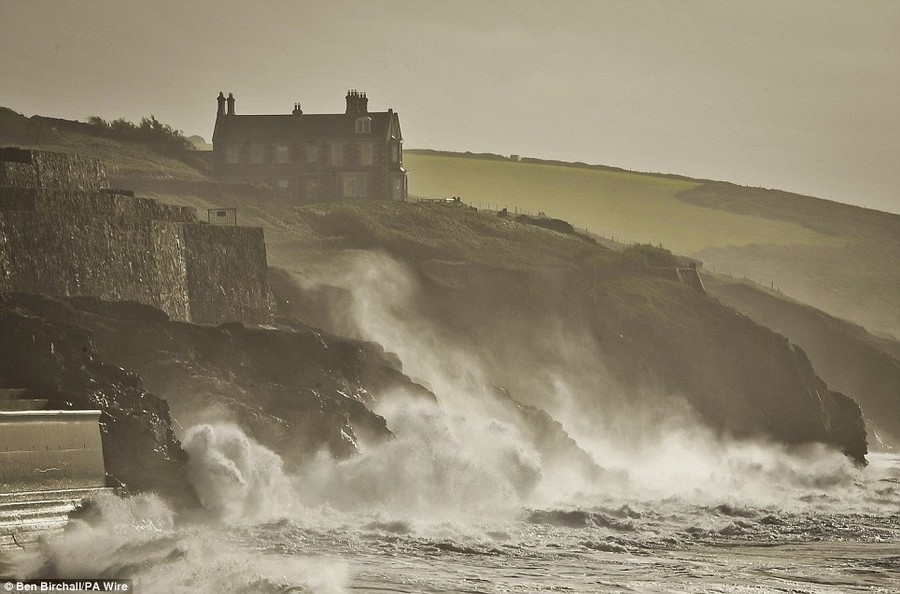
[(295, 389), (58, 361)]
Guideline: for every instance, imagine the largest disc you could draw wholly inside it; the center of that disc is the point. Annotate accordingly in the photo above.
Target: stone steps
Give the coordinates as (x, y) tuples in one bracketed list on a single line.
[(11, 399), (11, 393), (24, 404), (27, 516)]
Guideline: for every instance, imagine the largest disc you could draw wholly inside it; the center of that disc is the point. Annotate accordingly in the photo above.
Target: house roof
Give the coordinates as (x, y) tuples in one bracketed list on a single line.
[(291, 128)]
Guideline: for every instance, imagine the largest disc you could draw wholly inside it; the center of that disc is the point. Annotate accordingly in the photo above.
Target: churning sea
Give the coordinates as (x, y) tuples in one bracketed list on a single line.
[(836, 533)]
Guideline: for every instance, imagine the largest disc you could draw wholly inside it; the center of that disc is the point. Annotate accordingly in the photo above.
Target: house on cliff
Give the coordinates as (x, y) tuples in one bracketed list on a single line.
[(355, 154)]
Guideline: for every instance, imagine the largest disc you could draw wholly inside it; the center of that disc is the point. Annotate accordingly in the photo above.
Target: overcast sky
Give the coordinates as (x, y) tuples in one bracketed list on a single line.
[(803, 96)]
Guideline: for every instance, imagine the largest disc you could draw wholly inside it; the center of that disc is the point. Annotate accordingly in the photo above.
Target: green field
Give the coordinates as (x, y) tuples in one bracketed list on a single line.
[(632, 207), (842, 259)]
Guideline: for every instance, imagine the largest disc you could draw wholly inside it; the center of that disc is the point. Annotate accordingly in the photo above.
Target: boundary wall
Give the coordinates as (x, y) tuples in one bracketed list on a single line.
[(64, 232)]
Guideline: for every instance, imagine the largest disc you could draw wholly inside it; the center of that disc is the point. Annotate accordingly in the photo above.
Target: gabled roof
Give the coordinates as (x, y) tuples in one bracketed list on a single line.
[(234, 129), (256, 128)]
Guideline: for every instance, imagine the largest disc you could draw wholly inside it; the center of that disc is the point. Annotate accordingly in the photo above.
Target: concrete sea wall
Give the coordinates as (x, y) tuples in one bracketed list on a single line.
[(50, 449), (63, 232)]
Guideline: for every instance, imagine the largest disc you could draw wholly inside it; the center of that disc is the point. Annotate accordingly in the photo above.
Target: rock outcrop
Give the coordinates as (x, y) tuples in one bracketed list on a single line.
[(58, 362), (295, 389)]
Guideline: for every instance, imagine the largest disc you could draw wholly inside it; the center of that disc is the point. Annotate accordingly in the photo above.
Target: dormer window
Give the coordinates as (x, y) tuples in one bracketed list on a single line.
[(363, 125)]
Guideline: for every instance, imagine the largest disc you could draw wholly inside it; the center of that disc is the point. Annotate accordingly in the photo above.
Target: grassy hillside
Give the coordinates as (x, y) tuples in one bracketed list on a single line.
[(122, 158), (546, 314), (632, 207), (839, 258)]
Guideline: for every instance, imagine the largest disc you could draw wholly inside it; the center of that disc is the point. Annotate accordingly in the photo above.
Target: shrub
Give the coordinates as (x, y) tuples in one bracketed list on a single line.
[(159, 137)]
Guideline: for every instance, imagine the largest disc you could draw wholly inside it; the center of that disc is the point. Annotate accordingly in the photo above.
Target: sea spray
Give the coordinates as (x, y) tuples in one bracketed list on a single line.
[(140, 538), (588, 545), (106, 536), (646, 433), (236, 478), (438, 465)]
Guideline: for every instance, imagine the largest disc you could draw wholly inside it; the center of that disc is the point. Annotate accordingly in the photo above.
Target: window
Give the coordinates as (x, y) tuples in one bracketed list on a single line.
[(363, 125), (312, 188), (283, 184), (257, 154), (365, 154), (354, 186), (395, 153), (281, 153), (337, 154), (312, 153), (231, 153)]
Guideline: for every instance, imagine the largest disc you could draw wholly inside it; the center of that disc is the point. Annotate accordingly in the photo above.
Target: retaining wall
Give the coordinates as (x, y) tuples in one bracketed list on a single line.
[(227, 275), (64, 233)]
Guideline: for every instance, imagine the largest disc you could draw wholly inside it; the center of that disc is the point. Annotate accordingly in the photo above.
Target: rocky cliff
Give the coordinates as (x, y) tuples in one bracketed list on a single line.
[(296, 389), (844, 354), (535, 305)]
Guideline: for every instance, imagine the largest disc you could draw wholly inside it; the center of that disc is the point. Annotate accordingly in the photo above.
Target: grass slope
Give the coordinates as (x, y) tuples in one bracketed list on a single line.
[(633, 207), (842, 259), (121, 158)]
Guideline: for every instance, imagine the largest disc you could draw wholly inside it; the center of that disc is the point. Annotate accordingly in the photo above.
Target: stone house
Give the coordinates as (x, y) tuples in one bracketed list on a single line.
[(355, 154)]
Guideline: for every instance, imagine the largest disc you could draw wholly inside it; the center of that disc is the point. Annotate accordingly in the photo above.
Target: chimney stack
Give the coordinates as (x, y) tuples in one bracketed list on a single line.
[(352, 103), (297, 110), (221, 101), (230, 104), (356, 102)]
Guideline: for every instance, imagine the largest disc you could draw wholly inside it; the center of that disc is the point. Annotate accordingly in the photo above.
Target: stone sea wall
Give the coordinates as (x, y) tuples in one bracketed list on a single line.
[(63, 232), (236, 258)]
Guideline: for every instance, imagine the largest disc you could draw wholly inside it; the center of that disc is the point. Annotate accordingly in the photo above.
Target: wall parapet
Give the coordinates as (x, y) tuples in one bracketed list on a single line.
[(47, 170)]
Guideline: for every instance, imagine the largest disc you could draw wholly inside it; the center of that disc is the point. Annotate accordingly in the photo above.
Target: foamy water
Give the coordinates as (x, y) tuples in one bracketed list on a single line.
[(837, 538)]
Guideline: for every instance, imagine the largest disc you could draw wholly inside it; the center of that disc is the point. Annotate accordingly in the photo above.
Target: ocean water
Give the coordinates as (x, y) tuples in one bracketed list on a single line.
[(832, 536)]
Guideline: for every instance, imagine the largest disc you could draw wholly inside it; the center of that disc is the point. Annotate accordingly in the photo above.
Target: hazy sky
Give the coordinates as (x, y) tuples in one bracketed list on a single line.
[(803, 96)]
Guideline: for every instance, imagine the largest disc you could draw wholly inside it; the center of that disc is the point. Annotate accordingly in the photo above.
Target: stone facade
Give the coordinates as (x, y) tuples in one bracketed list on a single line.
[(63, 232)]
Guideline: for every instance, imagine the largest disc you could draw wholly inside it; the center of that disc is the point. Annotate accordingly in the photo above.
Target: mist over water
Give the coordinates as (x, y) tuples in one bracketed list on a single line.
[(467, 496), (652, 439)]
